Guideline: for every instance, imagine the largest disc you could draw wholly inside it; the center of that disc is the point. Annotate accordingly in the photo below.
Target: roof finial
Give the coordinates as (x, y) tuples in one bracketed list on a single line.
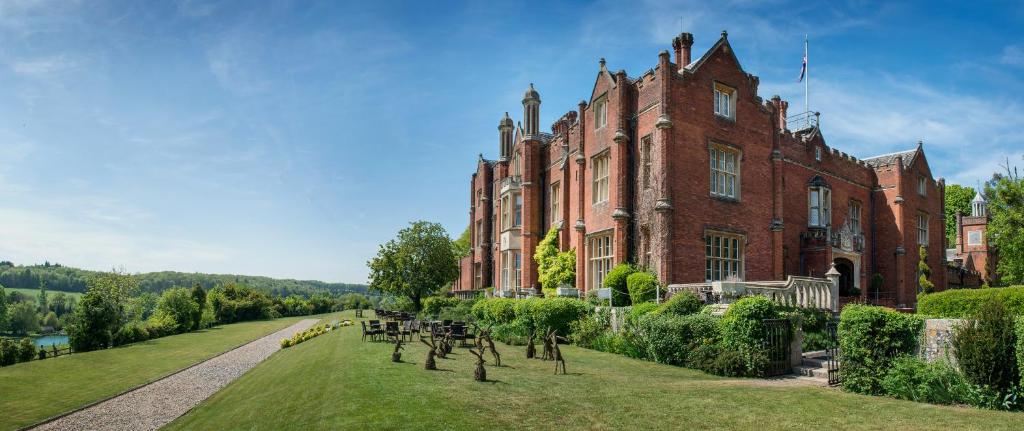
[(920, 143), (601, 62), (725, 34)]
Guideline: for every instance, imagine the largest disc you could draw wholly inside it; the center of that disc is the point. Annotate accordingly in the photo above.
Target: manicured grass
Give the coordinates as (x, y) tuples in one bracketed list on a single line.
[(335, 381), (33, 391)]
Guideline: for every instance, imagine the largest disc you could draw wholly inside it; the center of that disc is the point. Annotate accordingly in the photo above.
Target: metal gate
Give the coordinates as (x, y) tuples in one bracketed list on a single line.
[(777, 336), (832, 352)]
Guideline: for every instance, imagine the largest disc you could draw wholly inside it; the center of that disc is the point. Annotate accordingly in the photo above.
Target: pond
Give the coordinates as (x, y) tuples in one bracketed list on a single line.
[(49, 340)]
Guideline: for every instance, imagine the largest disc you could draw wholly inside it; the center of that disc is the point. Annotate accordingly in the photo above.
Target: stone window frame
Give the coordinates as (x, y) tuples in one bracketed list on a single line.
[(601, 111), (646, 147), (856, 222), (600, 185), (923, 218), (820, 208), (506, 212), (556, 201), (725, 252), (719, 91), (600, 255), (922, 185), (715, 172), (517, 210), (511, 270)]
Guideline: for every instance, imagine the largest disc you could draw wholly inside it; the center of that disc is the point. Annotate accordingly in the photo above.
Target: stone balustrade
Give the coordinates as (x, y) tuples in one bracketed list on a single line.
[(802, 292)]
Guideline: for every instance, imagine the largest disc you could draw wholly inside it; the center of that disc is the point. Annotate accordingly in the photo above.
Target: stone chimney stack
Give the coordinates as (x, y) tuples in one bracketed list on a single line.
[(682, 45)]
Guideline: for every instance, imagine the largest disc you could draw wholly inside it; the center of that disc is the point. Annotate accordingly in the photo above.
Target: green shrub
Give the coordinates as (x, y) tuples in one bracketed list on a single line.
[(869, 339), (681, 304), (495, 311), (964, 303), (911, 378), (616, 282), (732, 363), (286, 343), (8, 352), (26, 350), (812, 322), (642, 287), (586, 331), (433, 305), (984, 347), (131, 332), (1020, 349), (462, 311), (160, 325), (668, 338), (743, 330), (638, 311), (556, 313)]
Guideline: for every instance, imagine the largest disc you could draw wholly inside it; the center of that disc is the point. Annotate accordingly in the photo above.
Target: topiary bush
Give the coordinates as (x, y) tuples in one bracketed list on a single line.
[(681, 304), (642, 287), (984, 347), (870, 338), (743, 330), (616, 281), (964, 303)]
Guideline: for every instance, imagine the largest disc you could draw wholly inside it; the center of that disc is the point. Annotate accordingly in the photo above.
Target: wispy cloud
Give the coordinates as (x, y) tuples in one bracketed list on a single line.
[(1013, 55), (43, 66)]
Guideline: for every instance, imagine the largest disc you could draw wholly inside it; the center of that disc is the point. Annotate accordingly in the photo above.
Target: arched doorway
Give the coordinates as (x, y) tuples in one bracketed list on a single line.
[(846, 277)]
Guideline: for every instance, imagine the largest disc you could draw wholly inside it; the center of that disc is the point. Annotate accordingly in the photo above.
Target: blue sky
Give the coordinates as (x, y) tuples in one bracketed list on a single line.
[(290, 138)]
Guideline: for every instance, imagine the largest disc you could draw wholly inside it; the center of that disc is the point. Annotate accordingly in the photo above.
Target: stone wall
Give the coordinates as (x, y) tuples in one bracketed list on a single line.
[(936, 340)]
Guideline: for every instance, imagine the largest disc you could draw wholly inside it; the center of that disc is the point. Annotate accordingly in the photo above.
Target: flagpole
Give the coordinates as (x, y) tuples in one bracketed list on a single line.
[(807, 78)]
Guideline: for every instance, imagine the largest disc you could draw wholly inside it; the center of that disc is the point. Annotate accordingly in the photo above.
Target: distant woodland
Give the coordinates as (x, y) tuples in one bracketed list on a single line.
[(57, 277)]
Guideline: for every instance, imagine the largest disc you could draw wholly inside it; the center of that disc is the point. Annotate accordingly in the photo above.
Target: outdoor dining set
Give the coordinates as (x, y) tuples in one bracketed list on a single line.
[(401, 326)]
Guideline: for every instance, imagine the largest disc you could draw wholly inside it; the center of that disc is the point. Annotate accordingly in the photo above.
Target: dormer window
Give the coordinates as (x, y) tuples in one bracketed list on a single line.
[(725, 101), (601, 112)]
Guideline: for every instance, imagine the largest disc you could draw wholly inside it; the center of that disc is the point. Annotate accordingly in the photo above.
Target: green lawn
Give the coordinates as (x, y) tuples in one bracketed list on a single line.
[(335, 381), (33, 391)]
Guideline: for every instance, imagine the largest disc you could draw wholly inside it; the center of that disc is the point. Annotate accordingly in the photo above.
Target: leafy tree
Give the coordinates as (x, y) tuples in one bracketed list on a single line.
[(199, 297), (463, 245), (924, 281), (958, 198), (238, 302), (554, 268), (102, 311), (416, 263), (59, 303), (23, 318), (143, 306), (43, 305), (1006, 230), (3, 308), (178, 305), (352, 301), (51, 320)]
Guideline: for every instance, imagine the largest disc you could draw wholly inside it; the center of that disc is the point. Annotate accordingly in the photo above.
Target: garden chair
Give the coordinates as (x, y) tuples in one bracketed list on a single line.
[(371, 332), (391, 331), (459, 334), (446, 323), (406, 329), (376, 329)]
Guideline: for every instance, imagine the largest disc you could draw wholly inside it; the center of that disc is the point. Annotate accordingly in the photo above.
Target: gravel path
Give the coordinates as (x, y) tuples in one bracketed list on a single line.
[(160, 402)]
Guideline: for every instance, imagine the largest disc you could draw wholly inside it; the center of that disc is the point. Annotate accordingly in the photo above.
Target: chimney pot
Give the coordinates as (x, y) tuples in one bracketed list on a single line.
[(682, 45)]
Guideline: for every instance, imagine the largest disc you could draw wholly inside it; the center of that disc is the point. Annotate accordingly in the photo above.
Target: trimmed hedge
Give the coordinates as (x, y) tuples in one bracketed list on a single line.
[(524, 315), (670, 339), (743, 330), (640, 310), (433, 305), (964, 303), (870, 338), (642, 286), (681, 304), (616, 281), (1020, 348)]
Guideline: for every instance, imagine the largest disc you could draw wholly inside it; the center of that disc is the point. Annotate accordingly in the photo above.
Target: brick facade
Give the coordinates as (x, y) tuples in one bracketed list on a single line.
[(664, 206)]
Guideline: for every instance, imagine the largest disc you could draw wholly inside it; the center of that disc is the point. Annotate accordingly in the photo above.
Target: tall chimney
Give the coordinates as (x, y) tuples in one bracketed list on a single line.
[(682, 44)]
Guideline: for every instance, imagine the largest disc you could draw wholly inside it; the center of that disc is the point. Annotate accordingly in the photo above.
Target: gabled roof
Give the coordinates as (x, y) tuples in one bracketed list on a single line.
[(722, 41), (888, 159)]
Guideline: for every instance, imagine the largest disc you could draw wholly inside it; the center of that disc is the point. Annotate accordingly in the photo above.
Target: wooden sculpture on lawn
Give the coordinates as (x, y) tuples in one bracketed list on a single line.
[(556, 352), (479, 373), (490, 346), (430, 364), (396, 356), (546, 355), (531, 350)]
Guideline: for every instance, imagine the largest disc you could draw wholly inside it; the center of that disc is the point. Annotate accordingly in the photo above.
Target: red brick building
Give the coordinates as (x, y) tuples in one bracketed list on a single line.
[(972, 256), (687, 171)]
